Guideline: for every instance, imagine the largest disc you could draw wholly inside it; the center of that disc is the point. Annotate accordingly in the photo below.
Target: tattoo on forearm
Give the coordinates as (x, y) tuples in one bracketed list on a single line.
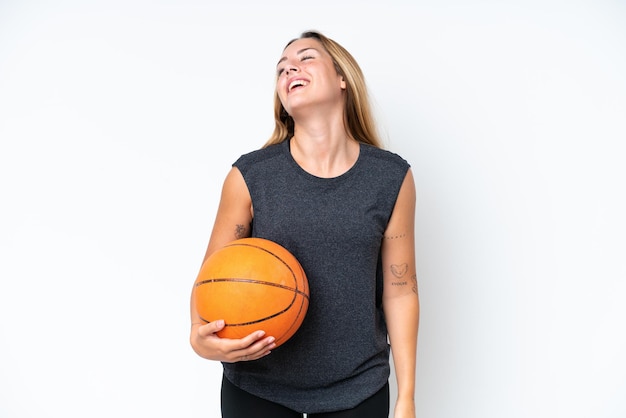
[(240, 231), (399, 270)]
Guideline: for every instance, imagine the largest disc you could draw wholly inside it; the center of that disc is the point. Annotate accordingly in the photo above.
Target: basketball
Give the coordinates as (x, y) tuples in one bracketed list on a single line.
[(253, 284)]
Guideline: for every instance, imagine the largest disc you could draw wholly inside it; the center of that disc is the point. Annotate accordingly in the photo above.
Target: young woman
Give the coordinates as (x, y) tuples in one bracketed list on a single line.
[(323, 188)]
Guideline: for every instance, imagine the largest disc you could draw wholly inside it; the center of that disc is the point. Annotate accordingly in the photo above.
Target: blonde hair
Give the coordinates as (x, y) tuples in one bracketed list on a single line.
[(358, 117)]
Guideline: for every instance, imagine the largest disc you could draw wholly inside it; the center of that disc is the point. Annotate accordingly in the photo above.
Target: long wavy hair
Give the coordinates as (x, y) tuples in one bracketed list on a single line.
[(357, 115)]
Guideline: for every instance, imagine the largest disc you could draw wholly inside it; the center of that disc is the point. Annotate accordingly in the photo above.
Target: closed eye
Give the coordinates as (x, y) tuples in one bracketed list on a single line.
[(303, 58)]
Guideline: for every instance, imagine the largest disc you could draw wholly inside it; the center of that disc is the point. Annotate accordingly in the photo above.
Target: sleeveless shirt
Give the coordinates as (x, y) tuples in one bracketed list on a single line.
[(334, 226)]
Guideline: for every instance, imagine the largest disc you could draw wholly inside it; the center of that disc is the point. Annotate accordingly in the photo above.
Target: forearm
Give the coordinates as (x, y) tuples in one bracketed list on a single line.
[(402, 317)]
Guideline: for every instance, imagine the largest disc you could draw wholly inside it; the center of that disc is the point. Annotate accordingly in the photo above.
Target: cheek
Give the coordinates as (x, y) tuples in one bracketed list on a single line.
[(280, 88), (281, 84)]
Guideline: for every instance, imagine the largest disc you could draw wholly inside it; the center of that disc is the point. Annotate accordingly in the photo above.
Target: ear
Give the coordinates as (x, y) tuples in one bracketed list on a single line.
[(342, 84)]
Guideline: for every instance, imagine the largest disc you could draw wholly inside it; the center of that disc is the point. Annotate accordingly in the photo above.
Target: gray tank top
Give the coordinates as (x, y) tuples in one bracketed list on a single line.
[(334, 226)]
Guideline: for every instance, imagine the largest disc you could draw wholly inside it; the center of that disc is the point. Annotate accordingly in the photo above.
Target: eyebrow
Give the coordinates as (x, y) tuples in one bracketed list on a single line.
[(297, 53)]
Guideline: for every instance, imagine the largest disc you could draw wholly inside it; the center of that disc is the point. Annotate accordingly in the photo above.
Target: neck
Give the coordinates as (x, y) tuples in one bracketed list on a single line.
[(324, 154)]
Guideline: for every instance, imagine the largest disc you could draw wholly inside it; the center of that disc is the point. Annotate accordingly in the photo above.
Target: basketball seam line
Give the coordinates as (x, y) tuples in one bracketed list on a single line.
[(273, 254), (233, 279)]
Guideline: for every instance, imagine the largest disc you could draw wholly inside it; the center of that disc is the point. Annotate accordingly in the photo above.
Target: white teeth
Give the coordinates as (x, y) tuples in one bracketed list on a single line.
[(297, 83)]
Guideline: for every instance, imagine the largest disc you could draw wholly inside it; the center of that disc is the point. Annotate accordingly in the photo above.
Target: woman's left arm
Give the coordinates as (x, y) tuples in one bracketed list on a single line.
[(400, 295)]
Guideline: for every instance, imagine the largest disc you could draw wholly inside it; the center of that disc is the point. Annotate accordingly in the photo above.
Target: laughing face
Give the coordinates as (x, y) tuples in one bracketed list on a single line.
[(307, 77)]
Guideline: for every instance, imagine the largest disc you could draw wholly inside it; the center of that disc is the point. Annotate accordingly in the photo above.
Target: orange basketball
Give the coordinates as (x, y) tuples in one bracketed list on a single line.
[(253, 284)]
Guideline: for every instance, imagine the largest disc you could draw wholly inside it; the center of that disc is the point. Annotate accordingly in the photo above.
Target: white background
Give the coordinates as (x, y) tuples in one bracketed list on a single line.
[(119, 120)]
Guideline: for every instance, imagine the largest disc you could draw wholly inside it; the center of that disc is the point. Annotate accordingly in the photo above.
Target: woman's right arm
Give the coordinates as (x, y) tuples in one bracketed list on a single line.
[(233, 221)]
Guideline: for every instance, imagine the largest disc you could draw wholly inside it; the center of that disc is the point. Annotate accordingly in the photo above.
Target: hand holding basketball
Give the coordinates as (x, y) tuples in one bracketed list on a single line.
[(212, 347)]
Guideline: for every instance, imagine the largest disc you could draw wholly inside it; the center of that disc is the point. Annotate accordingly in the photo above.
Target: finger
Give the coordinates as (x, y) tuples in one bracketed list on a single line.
[(259, 349), (211, 328), (248, 341), (255, 356)]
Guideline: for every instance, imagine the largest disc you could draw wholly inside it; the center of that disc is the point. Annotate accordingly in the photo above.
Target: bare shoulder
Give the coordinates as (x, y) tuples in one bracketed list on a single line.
[(405, 204), (234, 182)]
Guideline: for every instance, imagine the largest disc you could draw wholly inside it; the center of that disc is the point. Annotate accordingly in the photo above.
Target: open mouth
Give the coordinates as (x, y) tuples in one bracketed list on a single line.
[(295, 84)]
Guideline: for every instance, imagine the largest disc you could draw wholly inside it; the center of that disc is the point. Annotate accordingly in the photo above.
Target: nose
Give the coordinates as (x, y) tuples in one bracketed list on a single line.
[(291, 68)]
